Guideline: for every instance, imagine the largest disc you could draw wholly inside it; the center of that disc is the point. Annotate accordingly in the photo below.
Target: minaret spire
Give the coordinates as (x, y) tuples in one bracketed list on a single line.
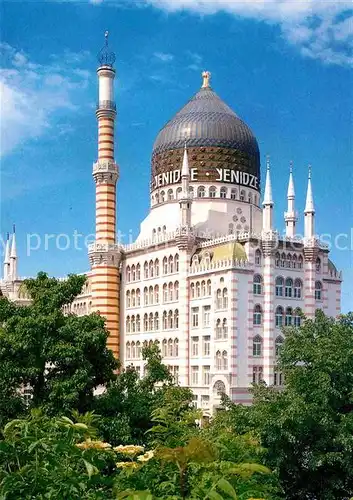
[(309, 212), (267, 219), (104, 252), (290, 216), (185, 198), (7, 258), (13, 256)]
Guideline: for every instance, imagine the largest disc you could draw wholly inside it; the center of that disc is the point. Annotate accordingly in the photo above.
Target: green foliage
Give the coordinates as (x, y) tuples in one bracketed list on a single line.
[(62, 358), (307, 428)]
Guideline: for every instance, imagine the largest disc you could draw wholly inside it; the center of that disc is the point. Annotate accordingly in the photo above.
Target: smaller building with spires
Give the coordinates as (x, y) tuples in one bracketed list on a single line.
[(209, 278)]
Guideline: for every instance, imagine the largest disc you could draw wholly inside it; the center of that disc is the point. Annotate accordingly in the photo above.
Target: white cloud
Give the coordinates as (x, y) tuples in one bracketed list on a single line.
[(163, 56), (321, 29), (32, 95)]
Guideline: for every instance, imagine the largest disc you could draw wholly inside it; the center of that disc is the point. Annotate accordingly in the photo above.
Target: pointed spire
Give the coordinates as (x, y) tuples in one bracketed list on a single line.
[(185, 167), (7, 250), (13, 254), (268, 200), (309, 205), (291, 192)]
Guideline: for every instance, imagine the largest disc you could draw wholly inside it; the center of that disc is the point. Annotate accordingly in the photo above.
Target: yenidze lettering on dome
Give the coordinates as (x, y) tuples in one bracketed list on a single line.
[(224, 175)]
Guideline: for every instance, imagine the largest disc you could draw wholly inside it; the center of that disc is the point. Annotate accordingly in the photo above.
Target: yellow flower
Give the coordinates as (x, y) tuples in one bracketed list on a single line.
[(127, 465), (129, 449), (146, 457), (97, 445)]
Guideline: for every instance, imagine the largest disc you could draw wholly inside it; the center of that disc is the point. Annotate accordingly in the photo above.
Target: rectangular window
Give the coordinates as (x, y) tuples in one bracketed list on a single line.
[(206, 375), (194, 375), (195, 317), (257, 374), (278, 378), (205, 401), (207, 346), (194, 346), (206, 315)]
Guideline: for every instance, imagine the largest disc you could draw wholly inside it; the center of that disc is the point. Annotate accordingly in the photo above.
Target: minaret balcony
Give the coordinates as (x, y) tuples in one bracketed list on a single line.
[(108, 254), (108, 105), (105, 171)]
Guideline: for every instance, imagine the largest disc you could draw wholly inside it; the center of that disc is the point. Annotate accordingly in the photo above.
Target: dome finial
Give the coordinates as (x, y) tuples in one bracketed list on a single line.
[(105, 57), (206, 77)]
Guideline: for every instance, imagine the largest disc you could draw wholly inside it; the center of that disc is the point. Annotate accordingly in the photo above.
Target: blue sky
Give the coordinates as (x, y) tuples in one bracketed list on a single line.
[(284, 67)]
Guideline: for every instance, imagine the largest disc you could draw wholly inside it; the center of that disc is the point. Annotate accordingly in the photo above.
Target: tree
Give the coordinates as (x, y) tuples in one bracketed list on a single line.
[(308, 427), (62, 359)]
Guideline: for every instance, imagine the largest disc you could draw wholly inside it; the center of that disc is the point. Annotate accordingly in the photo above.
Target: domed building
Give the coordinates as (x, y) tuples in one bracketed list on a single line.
[(209, 278)]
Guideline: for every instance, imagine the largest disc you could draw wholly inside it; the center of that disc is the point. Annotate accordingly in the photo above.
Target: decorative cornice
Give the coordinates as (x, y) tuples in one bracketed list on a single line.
[(105, 172), (185, 238), (104, 254)]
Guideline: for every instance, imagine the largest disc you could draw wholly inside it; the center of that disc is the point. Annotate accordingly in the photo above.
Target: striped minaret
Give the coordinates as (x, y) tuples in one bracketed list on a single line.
[(104, 253), (311, 250)]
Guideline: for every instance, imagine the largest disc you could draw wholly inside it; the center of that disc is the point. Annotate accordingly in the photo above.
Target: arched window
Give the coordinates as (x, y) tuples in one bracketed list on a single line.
[(145, 323), (170, 195), (289, 287), (224, 328), (162, 196), (300, 262), (164, 348), (218, 360), (150, 295), (224, 360), (170, 319), (192, 290), (138, 349), (178, 192), (295, 262), (138, 272), (133, 298), (145, 270), (176, 290), (165, 265), (249, 198), (133, 324), (289, 260), (133, 272), (209, 288), (298, 317), (218, 329), (223, 192), (128, 324), (151, 269), (171, 265), (257, 346), (212, 192), (219, 388), (203, 288), (278, 345), (318, 290), (277, 259), (156, 294), (128, 350), (283, 260), (257, 285), (145, 296), (198, 289), (289, 316), (170, 292), (128, 299), (176, 318), (298, 286), (170, 348), (279, 316), (156, 267), (138, 323), (242, 195), (258, 257), (133, 350), (318, 265), (233, 194), (191, 191), (176, 262), (257, 319), (128, 274), (231, 228), (201, 192), (279, 286), (176, 348), (225, 298), (150, 322), (219, 301), (156, 321)]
